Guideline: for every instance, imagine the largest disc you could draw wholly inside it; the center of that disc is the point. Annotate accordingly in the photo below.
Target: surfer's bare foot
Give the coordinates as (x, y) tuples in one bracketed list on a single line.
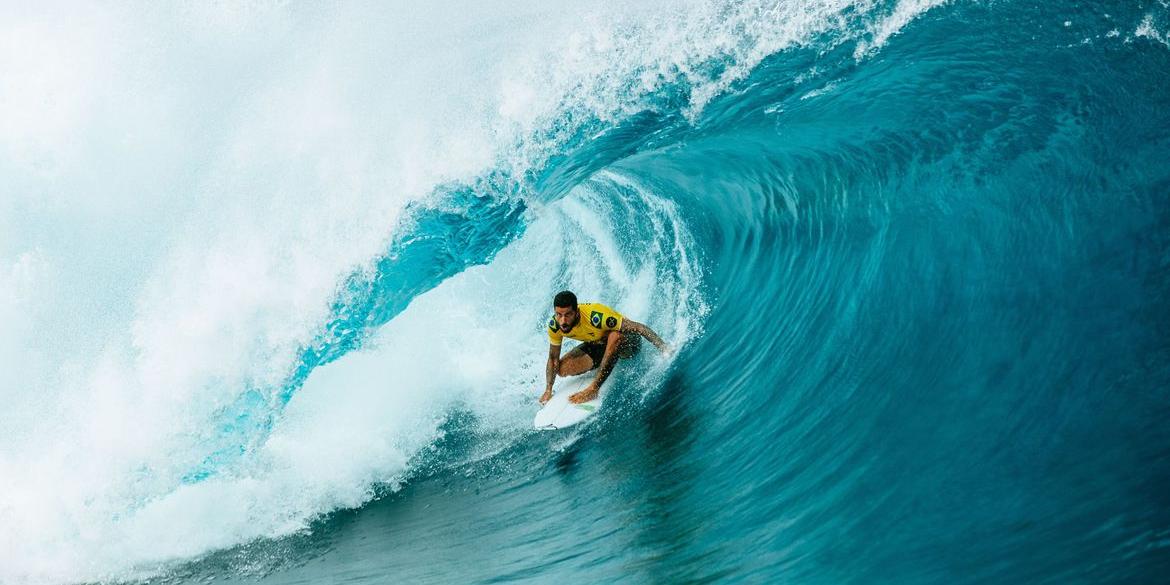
[(546, 396)]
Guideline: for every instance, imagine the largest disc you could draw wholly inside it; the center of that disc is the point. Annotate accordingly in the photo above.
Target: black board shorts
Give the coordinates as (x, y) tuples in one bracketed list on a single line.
[(628, 348)]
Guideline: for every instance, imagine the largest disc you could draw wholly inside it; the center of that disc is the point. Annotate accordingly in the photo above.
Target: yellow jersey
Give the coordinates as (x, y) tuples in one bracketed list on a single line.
[(595, 320)]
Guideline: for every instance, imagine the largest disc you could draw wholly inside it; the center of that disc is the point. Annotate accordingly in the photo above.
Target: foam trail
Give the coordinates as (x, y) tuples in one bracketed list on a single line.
[(1146, 29)]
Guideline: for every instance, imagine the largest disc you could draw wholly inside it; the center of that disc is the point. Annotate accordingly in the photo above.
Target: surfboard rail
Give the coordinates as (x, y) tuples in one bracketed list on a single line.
[(559, 413)]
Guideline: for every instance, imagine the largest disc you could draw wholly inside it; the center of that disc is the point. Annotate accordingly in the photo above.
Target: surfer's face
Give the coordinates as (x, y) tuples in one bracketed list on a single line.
[(566, 318)]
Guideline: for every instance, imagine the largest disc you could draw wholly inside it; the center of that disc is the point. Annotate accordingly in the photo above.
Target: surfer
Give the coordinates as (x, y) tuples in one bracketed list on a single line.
[(605, 336)]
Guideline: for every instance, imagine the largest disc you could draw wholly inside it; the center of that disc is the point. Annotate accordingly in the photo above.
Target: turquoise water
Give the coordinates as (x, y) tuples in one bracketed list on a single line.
[(916, 259)]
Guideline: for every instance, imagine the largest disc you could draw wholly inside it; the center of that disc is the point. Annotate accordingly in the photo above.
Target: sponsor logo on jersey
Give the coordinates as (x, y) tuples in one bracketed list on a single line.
[(611, 322), (595, 318)]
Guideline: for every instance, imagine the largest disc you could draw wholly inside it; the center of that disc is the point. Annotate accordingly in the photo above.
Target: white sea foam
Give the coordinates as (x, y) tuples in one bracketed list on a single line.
[(182, 189), (1146, 29), (883, 28)]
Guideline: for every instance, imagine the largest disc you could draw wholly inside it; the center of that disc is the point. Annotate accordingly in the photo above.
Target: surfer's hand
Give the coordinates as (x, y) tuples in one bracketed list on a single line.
[(546, 396), (589, 393)]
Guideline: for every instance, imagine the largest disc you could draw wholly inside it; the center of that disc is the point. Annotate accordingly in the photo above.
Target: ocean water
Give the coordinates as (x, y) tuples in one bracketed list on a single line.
[(273, 280)]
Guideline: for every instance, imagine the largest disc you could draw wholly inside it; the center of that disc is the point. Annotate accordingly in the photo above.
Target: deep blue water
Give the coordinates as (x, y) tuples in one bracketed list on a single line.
[(928, 339)]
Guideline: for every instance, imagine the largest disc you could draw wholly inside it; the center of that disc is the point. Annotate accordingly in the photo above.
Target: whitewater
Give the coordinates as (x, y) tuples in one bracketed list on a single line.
[(273, 280)]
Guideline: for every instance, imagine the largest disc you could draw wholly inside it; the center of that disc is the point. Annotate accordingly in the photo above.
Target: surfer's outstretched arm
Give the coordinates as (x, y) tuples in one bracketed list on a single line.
[(631, 326), (550, 371)]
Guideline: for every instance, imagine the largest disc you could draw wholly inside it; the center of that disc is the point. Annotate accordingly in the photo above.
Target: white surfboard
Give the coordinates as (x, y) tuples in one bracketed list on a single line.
[(559, 413)]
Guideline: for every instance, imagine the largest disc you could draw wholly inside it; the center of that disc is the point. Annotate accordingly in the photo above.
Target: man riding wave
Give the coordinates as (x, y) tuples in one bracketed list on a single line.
[(605, 336)]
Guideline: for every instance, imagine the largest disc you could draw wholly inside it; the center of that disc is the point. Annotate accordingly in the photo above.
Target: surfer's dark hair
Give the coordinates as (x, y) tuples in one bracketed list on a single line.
[(565, 300)]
